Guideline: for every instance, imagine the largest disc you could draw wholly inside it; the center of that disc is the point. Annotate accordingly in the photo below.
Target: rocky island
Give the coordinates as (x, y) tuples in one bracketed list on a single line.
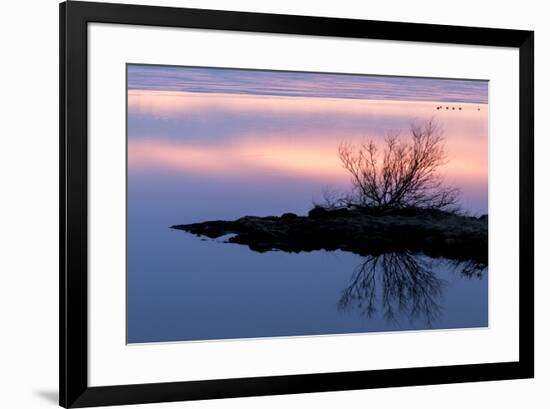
[(433, 232)]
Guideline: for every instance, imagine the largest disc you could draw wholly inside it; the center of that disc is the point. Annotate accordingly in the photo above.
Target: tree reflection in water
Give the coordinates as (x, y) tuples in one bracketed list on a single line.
[(401, 284)]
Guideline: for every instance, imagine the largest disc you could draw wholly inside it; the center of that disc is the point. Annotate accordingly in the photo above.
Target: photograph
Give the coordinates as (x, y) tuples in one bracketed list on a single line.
[(266, 203)]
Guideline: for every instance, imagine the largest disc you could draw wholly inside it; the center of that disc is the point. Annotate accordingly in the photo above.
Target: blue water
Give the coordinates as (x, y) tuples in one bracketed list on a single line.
[(183, 288)]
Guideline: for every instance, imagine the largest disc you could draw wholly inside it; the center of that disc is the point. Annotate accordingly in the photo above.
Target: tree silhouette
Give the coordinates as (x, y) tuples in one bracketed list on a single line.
[(403, 175)]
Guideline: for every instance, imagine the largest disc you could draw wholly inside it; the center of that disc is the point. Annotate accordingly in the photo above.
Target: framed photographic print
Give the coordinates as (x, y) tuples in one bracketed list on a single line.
[(256, 204)]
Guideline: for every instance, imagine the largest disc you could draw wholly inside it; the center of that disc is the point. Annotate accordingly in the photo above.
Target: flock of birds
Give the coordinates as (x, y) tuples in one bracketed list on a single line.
[(450, 108)]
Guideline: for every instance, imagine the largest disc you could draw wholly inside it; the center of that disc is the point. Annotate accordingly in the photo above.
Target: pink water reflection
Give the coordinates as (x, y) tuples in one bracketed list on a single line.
[(306, 152)]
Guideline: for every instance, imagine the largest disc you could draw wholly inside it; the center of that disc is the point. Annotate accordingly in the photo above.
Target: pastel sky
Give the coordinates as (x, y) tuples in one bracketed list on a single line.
[(302, 84)]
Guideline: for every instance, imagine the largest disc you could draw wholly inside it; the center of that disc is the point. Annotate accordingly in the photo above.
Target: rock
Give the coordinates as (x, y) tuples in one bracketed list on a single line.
[(317, 212)]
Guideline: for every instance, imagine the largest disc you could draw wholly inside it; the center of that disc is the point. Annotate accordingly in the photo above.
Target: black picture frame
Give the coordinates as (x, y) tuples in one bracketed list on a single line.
[(73, 256)]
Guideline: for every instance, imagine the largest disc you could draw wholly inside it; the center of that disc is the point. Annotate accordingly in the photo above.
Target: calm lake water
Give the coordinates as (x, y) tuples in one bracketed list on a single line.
[(197, 156)]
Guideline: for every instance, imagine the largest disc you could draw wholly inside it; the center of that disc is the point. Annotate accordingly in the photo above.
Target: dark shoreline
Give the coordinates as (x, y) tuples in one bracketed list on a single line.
[(434, 233)]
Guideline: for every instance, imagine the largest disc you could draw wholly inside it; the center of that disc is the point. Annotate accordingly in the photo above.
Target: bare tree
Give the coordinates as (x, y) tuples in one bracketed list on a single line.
[(404, 174), (331, 199)]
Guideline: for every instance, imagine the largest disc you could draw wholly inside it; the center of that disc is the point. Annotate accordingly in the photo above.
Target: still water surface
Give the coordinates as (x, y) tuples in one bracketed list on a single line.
[(194, 157)]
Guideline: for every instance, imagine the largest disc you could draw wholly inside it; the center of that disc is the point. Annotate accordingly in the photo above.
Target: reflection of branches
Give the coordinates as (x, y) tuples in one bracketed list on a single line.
[(470, 268), (408, 287), (361, 291)]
